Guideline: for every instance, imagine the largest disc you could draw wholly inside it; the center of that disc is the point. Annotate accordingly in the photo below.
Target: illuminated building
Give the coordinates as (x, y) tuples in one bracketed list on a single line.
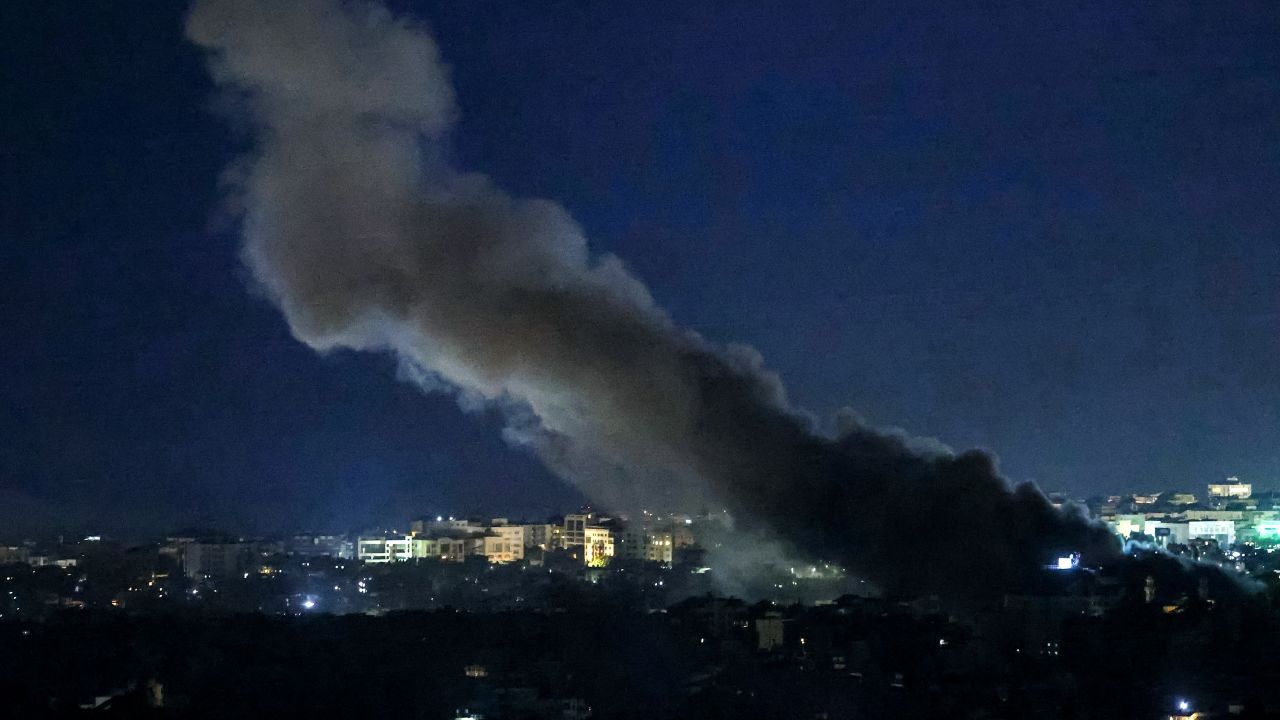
[(644, 541), (1126, 525), (504, 543), (597, 546), (647, 541), (1231, 489), (1198, 514), (1267, 531), (659, 546), (1224, 531), (1178, 531), (421, 546), (384, 549), (1167, 532), (451, 549)]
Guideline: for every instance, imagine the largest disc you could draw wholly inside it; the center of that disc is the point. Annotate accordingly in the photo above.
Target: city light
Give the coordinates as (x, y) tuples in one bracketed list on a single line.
[(1066, 562), (592, 562)]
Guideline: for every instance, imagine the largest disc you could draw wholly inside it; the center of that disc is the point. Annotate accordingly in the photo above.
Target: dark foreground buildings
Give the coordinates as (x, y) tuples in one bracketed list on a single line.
[(449, 621), (480, 641)]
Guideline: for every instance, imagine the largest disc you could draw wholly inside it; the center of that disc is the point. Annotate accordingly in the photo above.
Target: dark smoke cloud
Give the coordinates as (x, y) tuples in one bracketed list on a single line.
[(358, 227)]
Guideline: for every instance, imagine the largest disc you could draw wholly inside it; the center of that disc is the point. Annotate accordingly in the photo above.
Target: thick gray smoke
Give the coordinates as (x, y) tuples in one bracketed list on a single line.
[(362, 232)]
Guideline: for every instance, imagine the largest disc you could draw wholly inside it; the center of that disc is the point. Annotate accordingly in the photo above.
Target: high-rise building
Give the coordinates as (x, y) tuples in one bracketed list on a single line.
[(575, 529), (597, 546)]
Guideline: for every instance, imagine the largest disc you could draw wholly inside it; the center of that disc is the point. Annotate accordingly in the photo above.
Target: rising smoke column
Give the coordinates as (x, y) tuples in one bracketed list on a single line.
[(358, 227)]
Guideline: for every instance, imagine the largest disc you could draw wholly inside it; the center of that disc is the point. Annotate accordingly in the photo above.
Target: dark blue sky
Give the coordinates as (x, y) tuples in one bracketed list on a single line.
[(1051, 232)]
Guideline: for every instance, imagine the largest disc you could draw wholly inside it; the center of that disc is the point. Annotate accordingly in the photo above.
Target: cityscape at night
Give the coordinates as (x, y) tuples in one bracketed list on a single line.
[(574, 360), (510, 618)]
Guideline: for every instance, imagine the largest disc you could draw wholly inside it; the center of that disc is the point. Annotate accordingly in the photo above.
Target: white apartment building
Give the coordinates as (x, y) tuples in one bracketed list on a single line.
[(384, 549), (505, 543), (1180, 532), (1224, 531), (450, 549)]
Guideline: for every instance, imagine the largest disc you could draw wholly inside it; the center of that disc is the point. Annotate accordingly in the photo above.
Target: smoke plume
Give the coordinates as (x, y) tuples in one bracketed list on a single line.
[(357, 225)]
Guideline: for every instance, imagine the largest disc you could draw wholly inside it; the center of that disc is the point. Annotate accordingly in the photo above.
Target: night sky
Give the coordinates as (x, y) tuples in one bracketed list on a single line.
[(1049, 232)]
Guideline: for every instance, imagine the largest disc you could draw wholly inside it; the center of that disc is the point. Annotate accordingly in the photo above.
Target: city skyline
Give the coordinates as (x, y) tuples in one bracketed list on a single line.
[(1169, 503)]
